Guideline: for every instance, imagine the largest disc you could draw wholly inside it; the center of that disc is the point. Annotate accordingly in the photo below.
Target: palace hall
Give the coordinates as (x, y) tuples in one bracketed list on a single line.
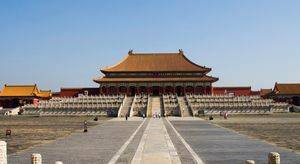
[(156, 74)]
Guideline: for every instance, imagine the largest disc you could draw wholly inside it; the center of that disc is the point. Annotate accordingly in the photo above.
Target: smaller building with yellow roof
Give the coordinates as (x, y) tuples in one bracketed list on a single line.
[(17, 95)]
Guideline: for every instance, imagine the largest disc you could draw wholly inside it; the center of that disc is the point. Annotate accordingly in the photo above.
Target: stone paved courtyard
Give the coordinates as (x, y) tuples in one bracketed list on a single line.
[(170, 140)]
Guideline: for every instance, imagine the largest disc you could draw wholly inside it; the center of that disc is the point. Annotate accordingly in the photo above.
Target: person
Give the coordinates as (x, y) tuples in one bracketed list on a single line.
[(85, 126), (158, 115), (8, 132), (225, 115), (126, 117), (144, 116)]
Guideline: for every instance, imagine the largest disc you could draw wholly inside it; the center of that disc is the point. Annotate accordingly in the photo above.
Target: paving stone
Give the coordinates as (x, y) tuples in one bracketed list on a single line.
[(216, 145), (184, 154), (98, 145), (156, 145), (129, 152)]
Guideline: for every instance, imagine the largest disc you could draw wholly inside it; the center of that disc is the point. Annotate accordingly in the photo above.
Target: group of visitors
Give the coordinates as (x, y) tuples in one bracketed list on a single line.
[(222, 114), (127, 115), (156, 115)]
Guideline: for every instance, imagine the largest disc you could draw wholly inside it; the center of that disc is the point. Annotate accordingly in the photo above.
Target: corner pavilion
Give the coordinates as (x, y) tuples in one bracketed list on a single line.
[(156, 74)]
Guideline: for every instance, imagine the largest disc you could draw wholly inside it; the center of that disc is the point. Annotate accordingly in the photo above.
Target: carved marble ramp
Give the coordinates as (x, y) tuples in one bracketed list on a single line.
[(156, 145)]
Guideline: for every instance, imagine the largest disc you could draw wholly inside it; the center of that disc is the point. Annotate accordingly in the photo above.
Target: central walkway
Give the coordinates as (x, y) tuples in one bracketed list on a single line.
[(156, 145)]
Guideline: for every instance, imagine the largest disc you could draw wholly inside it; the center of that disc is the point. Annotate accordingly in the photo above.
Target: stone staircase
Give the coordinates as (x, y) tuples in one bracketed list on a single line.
[(184, 108), (156, 106), (126, 106)]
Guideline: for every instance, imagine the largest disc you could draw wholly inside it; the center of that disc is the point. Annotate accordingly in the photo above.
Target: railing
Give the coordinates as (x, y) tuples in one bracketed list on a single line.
[(149, 107), (132, 106), (121, 106)]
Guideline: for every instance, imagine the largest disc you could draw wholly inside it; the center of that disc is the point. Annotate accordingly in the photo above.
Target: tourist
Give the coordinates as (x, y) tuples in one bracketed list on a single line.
[(225, 115), (126, 117), (8, 132), (85, 126)]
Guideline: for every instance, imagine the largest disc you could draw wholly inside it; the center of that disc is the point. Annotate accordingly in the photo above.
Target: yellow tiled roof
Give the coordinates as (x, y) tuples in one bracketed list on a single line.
[(287, 89), (153, 79), (156, 62), (18, 90), (264, 92), (23, 91), (44, 94)]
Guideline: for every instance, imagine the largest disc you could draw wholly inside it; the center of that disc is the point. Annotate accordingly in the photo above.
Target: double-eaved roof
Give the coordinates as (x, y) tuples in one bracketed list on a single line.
[(23, 91), (157, 79), (156, 62)]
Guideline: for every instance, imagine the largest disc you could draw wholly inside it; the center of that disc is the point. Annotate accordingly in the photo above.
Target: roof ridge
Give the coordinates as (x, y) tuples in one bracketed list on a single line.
[(232, 86), (21, 85), (288, 83), (155, 53)]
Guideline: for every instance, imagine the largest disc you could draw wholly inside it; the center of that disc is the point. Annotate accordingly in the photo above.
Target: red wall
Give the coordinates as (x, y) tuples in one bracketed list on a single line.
[(237, 91)]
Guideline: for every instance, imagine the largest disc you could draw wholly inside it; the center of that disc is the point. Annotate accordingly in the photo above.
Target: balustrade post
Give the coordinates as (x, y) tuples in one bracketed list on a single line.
[(274, 158), (3, 152), (250, 162), (36, 158)]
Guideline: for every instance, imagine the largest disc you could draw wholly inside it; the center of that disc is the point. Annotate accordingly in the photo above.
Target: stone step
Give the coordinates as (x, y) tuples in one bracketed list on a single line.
[(126, 107), (184, 108), (156, 105)]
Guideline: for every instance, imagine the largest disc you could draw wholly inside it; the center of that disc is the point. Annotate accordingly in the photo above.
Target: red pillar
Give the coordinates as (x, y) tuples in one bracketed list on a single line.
[(138, 90), (127, 91), (104, 90), (148, 90), (117, 90)]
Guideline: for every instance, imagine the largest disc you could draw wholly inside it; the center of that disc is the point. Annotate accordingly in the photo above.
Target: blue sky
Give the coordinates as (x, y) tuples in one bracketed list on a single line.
[(64, 43)]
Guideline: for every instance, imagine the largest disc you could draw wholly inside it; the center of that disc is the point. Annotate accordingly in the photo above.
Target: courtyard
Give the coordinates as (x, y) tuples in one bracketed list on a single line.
[(281, 129), (28, 131)]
